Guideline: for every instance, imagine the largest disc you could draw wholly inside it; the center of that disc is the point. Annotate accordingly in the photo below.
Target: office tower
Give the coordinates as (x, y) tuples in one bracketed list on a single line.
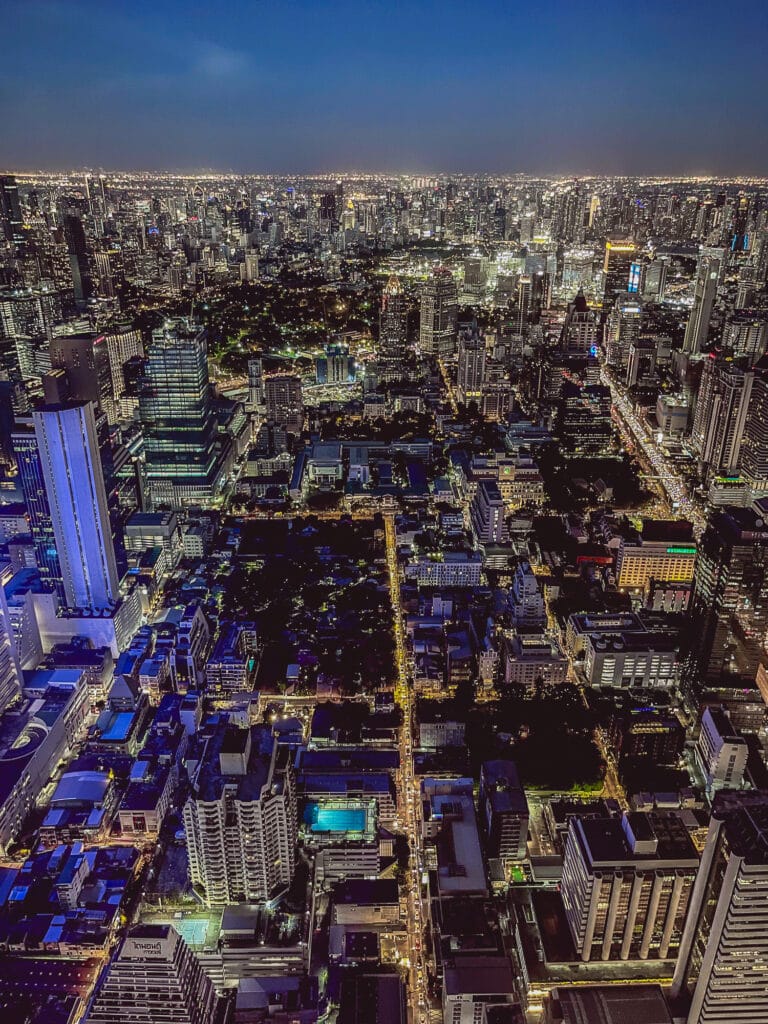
[(470, 375), (77, 246), (578, 271), (626, 885), (655, 279), (251, 266), (622, 327), (437, 315), (754, 447), (722, 966), (475, 275), (154, 978), (240, 819), (729, 604), (393, 331), (122, 344), (708, 272), (74, 486), (579, 334), (10, 669), (27, 455), (619, 257), (85, 360), (746, 334), (11, 223), (487, 513), (335, 365), (721, 415), (255, 384), (177, 416), (283, 398), (504, 809), (584, 421)]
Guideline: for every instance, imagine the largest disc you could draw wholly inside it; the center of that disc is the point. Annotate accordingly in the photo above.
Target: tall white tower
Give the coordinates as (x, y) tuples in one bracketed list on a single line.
[(74, 485)]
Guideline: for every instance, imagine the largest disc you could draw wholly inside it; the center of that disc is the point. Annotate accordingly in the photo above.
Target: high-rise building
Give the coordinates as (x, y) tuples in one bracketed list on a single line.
[(11, 223), (622, 327), (74, 486), (255, 384), (708, 273), (283, 397), (626, 885), (504, 809), (123, 343), (85, 360), (579, 334), (746, 334), (617, 264), (470, 375), (27, 455), (721, 415), (393, 331), (729, 604), (240, 819), (10, 668), (437, 315), (183, 460), (488, 514), (754, 446), (154, 978), (722, 965)]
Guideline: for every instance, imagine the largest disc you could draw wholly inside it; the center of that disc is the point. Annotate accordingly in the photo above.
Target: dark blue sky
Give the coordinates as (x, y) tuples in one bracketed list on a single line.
[(305, 85)]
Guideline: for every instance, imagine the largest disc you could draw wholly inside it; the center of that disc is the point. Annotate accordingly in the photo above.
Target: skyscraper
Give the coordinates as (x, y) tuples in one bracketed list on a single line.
[(240, 819), (74, 486), (177, 416), (27, 455), (721, 414), (754, 448), (437, 315), (154, 978), (393, 331), (722, 967), (10, 209), (619, 257), (85, 360), (10, 670), (708, 272), (471, 369), (579, 334), (283, 397), (729, 604)]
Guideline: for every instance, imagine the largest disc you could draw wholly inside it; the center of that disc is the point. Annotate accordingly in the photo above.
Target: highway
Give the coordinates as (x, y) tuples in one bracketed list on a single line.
[(669, 479), (408, 797)]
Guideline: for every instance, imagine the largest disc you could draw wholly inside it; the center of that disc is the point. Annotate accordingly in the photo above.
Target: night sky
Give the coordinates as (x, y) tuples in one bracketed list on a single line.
[(313, 85)]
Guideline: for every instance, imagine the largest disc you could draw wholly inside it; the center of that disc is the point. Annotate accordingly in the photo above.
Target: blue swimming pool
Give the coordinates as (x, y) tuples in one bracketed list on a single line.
[(334, 819)]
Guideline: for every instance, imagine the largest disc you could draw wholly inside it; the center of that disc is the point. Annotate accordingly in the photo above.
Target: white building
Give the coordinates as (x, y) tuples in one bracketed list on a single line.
[(240, 820), (74, 485), (721, 751), (722, 966)]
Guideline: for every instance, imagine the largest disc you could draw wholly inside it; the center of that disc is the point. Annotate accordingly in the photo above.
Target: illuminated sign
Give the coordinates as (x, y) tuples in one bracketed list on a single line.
[(681, 551), (634, 277)]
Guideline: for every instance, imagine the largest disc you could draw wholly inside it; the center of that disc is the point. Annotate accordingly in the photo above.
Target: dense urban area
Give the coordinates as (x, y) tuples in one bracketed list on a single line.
[(383, 599)]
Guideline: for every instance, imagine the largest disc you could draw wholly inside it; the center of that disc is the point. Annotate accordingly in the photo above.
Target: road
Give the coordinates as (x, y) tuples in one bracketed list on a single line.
[(669, 479), (408, 797), (448, 386)]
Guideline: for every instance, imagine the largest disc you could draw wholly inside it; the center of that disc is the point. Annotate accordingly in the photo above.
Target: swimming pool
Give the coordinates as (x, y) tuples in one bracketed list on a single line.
[(334, 819)]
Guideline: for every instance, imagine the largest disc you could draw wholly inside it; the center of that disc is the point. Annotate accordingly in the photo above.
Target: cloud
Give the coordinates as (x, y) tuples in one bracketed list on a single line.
[(221, 63)]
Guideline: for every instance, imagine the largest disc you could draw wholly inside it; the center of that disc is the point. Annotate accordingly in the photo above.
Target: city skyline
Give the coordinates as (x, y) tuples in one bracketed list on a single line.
[(424, 87)]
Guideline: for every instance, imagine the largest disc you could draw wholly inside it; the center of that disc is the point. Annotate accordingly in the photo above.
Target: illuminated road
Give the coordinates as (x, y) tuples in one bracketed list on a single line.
[(408, 796), (669, 479), (448, 385)]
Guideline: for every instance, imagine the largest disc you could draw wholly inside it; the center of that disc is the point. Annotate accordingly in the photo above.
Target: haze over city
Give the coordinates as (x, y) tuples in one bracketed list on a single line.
[(306, 86), (383, 513)]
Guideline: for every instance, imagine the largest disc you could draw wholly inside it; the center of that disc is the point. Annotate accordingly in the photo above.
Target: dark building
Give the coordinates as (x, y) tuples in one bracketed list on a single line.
[(728, 616)]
